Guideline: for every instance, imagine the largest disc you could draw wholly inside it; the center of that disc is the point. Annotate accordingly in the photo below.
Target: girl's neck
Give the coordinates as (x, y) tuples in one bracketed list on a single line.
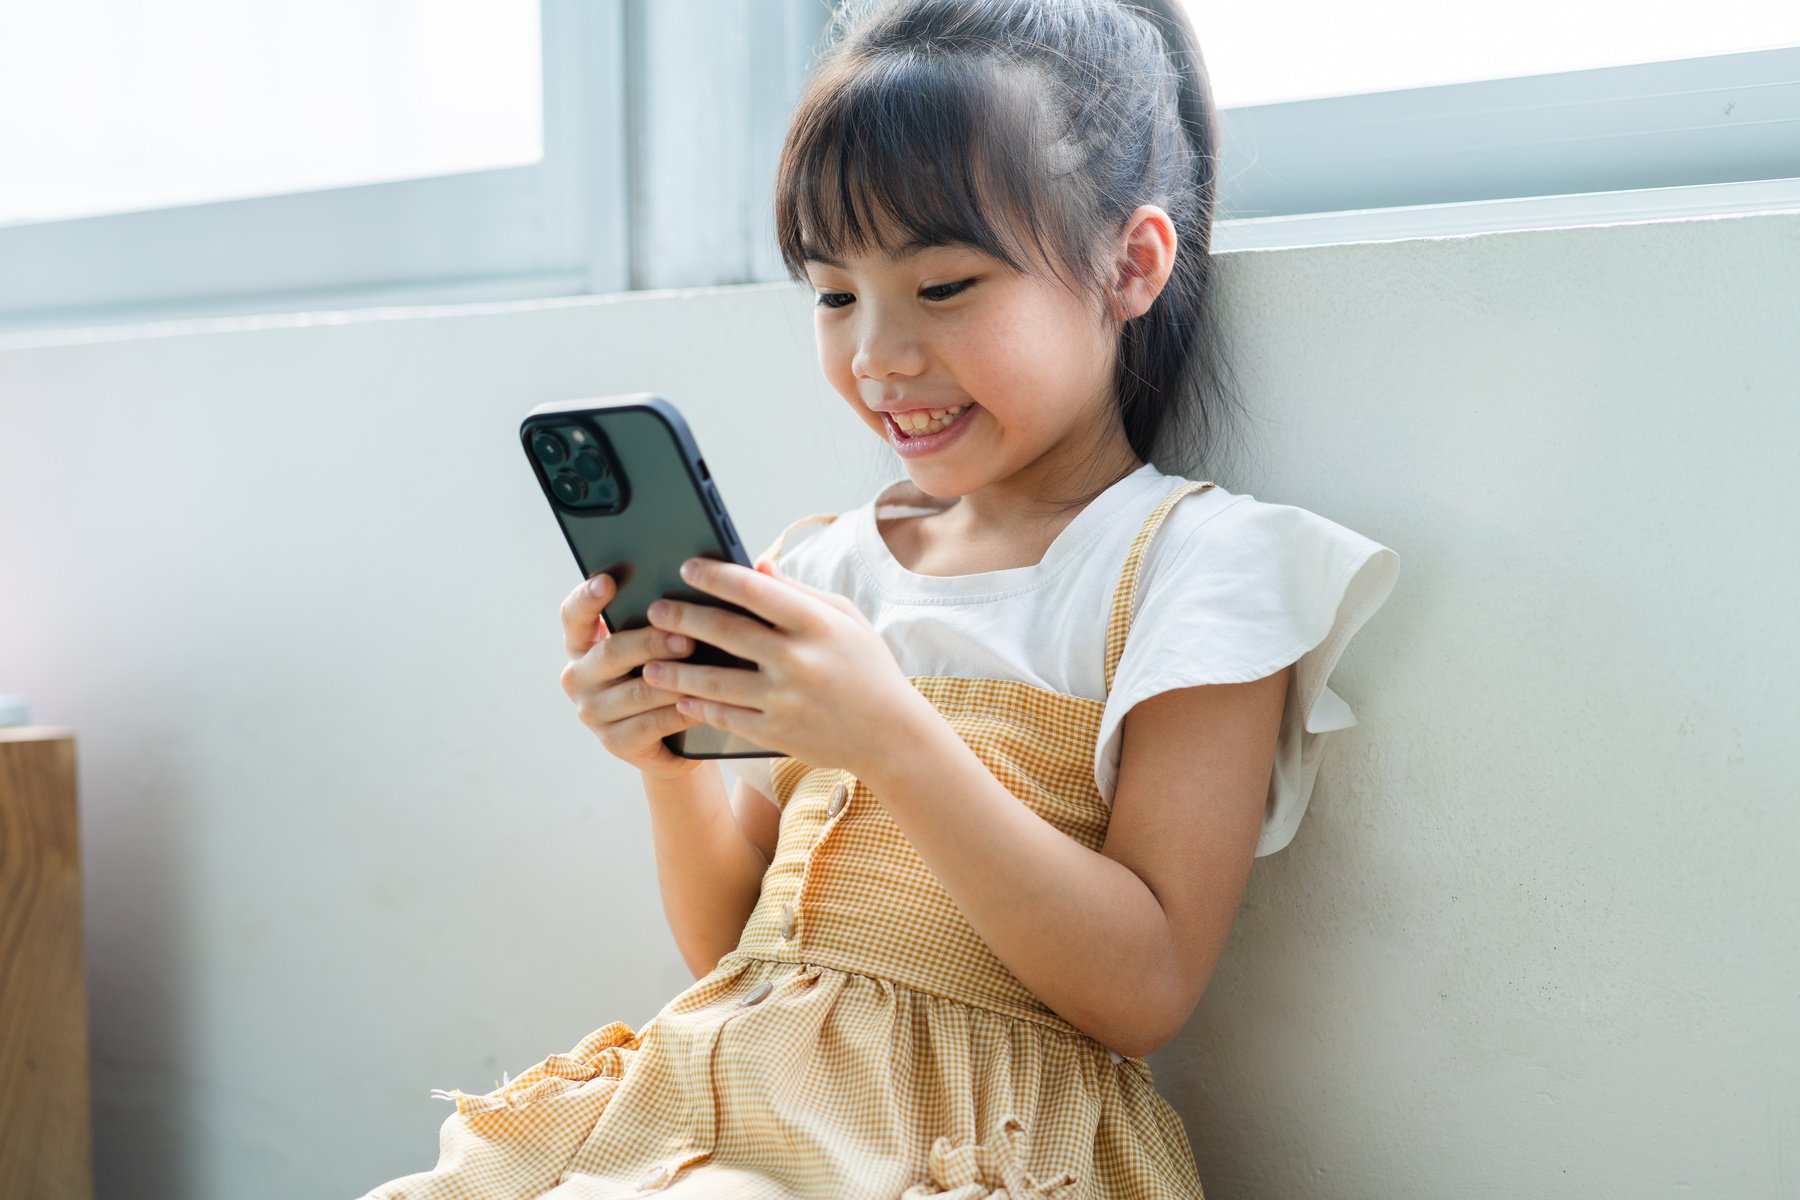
[(1038, 495), (1008, 523)]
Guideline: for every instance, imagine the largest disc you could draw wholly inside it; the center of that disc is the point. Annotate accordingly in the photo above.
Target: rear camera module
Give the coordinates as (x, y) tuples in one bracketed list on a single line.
[(570, 487), (589, 466), (549, 448), (580, 471)]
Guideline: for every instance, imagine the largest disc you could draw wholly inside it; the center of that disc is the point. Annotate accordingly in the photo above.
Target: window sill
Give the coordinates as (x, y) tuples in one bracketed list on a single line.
[(1506, 215)]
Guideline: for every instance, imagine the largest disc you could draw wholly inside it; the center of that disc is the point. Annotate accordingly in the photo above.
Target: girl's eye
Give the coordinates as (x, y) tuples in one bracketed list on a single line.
[(939, 292)]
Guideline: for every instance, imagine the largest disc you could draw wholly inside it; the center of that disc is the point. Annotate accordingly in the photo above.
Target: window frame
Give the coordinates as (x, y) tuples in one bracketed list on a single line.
[(1532, 151), (552, 228)]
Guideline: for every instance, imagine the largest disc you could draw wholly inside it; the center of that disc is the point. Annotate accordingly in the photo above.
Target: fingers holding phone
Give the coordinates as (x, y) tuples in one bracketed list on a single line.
[(630, 714)]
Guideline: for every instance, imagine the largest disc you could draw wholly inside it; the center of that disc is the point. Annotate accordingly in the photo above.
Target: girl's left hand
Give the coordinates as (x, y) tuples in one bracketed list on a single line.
[(828, 692)]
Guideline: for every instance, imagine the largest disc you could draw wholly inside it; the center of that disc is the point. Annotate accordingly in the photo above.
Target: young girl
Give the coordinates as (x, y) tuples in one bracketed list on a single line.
[(1039, 704)]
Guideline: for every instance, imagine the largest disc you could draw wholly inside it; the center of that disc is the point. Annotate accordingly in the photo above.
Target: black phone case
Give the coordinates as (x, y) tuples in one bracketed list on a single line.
[(669, 510)]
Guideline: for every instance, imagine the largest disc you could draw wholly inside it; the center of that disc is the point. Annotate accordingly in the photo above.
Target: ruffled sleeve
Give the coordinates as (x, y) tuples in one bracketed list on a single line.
[(1238, 597)]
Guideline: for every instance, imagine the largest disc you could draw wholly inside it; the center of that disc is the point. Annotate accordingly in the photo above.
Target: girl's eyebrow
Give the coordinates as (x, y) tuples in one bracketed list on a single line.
[(909, 250)]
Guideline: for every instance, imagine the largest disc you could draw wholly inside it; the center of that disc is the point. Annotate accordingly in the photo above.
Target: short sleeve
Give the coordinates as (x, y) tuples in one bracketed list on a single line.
[(757, 772), (1254, 589)]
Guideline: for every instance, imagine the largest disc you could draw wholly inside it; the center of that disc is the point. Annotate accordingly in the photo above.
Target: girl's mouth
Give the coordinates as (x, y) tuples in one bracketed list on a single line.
[(921, 422), (933, 435)]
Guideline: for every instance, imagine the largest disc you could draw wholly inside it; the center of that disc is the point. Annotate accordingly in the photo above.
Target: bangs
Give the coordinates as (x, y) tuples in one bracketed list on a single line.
[(906, 151)]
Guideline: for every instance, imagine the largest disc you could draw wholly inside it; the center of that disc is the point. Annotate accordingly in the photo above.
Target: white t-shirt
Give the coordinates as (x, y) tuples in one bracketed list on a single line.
[(1231, 589)]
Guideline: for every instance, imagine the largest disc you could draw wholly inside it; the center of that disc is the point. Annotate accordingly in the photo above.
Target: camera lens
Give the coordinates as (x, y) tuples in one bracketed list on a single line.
[(589, 465), (569, 486), (549, 448)]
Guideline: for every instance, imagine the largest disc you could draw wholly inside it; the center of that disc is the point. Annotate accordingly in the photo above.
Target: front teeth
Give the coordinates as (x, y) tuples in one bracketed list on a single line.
[(930, 420)]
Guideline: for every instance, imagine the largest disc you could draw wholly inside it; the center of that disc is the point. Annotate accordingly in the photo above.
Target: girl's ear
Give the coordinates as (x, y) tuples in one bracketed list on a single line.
[(1145, 259)]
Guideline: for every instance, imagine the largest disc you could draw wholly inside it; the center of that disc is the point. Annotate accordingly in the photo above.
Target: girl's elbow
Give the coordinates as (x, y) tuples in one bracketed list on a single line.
[(1156, 1019), (1145, 1040), (1142, 1030)]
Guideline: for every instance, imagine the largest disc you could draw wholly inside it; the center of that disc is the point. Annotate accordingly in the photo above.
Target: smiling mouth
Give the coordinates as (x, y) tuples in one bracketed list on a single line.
[(924, 421)]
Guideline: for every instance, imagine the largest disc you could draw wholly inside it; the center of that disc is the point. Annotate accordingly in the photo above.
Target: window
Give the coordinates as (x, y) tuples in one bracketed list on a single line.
[(1255, 58), (109, 108), (647, 157), (1407, 120), (482, 195)]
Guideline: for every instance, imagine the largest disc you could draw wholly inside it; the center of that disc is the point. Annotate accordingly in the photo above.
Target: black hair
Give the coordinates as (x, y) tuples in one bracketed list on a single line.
[(923, 117)]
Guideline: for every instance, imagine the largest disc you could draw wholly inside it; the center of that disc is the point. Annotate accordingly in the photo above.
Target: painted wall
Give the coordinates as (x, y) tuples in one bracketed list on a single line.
[(289, 581)]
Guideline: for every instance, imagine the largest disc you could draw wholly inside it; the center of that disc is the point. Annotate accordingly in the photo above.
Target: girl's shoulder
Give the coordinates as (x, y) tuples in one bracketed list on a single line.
[(1246, 586), (1233, 590), (795, 534), (807, 544), (1225, 536), (819, 548), (1240, 551)]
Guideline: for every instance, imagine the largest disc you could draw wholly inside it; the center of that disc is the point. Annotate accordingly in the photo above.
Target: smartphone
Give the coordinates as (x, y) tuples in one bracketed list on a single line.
[(634, 499)]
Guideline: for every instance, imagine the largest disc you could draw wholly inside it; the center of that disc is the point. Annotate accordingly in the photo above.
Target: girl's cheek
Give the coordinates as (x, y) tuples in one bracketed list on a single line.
[(827, 340)]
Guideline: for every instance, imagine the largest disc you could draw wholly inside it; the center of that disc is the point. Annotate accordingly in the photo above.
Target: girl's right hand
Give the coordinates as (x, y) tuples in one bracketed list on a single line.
[(630, 715)]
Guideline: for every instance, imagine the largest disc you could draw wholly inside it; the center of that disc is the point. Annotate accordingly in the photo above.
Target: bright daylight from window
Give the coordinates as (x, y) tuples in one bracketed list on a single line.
[(1282, 50), (112, 106)]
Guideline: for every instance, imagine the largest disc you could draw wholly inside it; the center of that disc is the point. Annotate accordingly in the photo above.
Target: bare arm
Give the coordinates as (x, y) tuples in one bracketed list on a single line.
[(710, 873), (1121, 941)]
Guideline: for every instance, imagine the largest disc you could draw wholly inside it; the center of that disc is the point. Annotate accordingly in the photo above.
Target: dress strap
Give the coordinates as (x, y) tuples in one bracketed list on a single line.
[(1118, 625), (773, 553)]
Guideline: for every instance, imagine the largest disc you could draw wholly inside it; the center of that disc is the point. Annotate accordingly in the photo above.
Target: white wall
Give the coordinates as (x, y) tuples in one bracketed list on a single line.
[(290, 582)]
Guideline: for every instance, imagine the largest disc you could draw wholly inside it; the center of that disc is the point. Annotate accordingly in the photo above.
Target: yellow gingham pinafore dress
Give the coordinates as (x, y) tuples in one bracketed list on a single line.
[(861, 1041)]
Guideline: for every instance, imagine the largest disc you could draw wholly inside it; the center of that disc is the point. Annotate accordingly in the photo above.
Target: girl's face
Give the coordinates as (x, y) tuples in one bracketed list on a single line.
[(948, 325)]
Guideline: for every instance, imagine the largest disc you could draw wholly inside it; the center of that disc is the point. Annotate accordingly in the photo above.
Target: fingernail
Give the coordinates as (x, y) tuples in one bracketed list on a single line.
[(597, 586), (678, 643), (688, 569)]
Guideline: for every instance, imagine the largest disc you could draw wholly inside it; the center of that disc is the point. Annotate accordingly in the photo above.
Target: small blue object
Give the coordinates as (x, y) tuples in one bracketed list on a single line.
[(14, 711)]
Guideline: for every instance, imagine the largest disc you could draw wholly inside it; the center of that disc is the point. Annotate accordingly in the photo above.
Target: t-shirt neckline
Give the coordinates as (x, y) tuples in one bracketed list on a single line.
[(897, 580)]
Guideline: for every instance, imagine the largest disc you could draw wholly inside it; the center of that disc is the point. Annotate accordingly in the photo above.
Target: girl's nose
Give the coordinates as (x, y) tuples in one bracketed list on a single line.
[(885, 350)]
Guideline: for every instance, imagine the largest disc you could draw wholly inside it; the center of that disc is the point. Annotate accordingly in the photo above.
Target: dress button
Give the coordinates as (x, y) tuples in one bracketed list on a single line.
[(1115, 1056), (838, 795), (787, 920), (654, 1178), (755, 997)]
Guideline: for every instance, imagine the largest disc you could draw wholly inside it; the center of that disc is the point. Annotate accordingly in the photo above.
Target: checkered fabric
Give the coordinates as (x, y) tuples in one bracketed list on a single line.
[(861, 1041)]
